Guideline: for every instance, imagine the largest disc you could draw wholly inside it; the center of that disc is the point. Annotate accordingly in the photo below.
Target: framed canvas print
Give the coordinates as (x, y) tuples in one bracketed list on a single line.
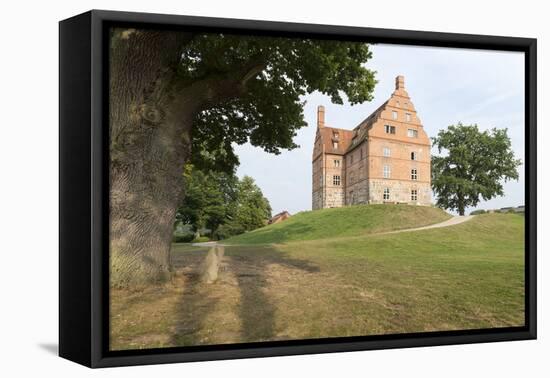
[(233, 188)]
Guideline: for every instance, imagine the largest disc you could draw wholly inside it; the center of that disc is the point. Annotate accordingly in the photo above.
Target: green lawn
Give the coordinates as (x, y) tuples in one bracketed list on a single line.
[(461, 277), (341, 222)]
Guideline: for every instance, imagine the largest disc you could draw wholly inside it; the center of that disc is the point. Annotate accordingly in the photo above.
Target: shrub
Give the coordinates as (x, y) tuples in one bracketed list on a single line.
[(477, 212), (182, 238), (201, 239), (227, 230)]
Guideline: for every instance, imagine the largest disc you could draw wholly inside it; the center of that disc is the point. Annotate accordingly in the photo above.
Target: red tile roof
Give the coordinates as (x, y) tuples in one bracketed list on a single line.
[(332, 134)]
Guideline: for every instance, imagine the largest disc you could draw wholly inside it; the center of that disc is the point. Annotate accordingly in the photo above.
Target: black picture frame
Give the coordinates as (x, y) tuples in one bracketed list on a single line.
[(83, 195)]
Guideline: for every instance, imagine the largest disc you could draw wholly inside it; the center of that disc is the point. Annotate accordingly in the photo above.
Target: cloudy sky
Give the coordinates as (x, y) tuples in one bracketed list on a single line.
[(445, 85)]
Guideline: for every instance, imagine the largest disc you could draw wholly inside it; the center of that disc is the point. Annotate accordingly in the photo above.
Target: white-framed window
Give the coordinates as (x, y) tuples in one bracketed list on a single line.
[(389, 129), (408, 117), (411, 133), (414, 155), (336, 163), (414, 195), (387, 171), (414, 174), (335, 134), (394, 114), (386, 193), (336, 180), (335, 145), (386, 151)]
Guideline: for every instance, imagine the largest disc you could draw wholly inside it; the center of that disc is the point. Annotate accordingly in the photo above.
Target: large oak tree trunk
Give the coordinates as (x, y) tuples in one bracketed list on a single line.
[(150, 131), (151, 113)]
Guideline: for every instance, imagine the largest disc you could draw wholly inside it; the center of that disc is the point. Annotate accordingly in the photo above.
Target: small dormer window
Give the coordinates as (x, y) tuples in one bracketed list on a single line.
[(394, 114), (335, 134), (335, 145)]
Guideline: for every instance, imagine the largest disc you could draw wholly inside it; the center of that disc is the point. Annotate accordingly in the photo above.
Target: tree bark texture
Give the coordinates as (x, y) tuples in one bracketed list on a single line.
[(461, 207), (150, 131), (151, 113)]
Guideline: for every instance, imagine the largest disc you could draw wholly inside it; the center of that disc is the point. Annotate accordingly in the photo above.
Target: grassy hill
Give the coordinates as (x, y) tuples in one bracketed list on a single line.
[(343, 222), (465, 276)]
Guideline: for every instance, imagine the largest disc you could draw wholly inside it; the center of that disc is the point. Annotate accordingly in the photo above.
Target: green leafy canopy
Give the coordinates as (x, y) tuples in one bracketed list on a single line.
[(208, 199), (270, 110)]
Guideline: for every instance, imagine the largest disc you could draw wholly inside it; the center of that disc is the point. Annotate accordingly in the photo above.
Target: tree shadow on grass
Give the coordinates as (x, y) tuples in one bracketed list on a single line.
[(195, 303), (247, 268), (256, 309)]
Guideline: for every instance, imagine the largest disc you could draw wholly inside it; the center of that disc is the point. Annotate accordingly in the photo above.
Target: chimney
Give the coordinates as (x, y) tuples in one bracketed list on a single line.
[(320, 116), (399, 82)]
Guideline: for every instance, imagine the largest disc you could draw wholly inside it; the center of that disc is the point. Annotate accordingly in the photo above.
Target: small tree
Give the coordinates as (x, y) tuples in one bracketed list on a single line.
[(209, 199), (253, 209), (473, 166), (250, 211)]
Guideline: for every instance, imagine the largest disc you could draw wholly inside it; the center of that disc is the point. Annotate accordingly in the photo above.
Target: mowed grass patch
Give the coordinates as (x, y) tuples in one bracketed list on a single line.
[(343, 222), (461, 277), (467, 276)]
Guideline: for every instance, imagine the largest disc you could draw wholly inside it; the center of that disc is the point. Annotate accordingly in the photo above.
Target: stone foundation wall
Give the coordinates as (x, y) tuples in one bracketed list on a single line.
[(334, 197), (317, 200), (358, 193), (400, 191)]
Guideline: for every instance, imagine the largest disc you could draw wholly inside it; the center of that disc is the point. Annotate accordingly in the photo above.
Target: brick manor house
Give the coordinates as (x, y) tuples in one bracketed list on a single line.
[(385, 159)]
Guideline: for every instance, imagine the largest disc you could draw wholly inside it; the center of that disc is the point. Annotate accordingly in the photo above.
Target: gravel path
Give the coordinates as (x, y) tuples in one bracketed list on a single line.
[(449, 222)]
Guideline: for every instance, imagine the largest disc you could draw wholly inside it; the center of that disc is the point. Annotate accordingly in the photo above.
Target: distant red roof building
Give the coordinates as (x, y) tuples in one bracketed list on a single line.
[(283, 215)]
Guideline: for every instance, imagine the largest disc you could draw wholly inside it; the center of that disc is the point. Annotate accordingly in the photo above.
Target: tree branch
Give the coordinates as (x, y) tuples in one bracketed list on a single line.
[(224, 86), (252, 72)]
